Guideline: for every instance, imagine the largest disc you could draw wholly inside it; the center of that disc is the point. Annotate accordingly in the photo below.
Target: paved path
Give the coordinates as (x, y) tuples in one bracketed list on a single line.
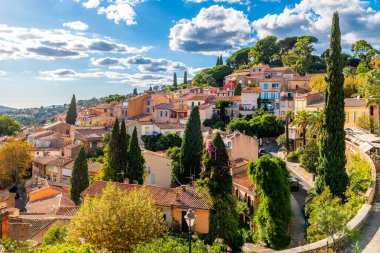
[(370, 233)]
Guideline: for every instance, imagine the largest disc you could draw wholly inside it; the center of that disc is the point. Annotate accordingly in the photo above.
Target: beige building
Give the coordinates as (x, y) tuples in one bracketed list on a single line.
[(158, 168), (242, 146)]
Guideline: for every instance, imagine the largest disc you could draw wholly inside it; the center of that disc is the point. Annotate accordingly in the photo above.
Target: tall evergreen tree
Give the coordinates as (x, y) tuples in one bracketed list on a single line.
[(113, 155), (221, 60), (79, 178), (217, 61), (135, 93), (185, 77), (192, 144), (238, 89), (136, 160), (124, 142), (331, 170), (175, 83), (71, 116)]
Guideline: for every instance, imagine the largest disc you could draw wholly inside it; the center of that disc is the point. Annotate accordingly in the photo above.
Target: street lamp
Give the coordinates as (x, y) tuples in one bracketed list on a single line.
[(190, 219)]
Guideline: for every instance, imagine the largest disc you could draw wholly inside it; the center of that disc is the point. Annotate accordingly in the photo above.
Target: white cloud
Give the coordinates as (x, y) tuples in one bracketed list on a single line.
[(91, 4), (312, 17), (76, 25), (214, 30), (144, 64), (138, 79), (115, 10), (242, 2), (47, 44), (3, 73)]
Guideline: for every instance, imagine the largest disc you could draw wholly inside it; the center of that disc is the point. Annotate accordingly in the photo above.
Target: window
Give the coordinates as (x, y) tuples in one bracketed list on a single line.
[(354, 117), (199, 103), (152, 178), (148, 102), (347, 117), (275, 85), (147, 110), (94, 144), (166, 113), (265, 86), (146, 129), (161, 114), (192, 104), (278, 74)]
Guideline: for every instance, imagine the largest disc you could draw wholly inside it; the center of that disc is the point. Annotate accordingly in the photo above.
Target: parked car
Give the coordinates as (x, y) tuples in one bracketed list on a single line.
[(267, 142), (294, 184)]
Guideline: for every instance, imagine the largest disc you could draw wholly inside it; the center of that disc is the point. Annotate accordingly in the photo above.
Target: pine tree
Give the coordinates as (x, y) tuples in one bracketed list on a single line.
[(71, 116), (175, 84), (221, 60), (185, 77), (136, 160), (79, 178), (217, 61), (191, 149), (113, 155), (238, 89), (331, 170), (124, 141), (150, 88)]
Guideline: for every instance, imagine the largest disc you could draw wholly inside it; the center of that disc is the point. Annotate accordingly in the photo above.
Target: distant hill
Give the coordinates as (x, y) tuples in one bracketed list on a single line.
[(4, 109)]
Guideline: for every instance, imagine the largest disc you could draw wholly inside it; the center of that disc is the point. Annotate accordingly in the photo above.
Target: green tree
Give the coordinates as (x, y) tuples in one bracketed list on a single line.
[(371, 91), (309, 157), (222, 104), (205, 77), (9, 126), (191, 149), (117, 220), (363, 50), (299, 58), (331, 170), (174, 153), (71, 116), (114, 98), (113, 155), (363, 68), (135, 93), (273, 215), (175, 84), (124, 143), (265, 50), (238, 58), (136, 166), (318, 83), (219, 72), (238, 89), (221, 60), (302, 120), (55, 235), (185, 77), (79, 179)]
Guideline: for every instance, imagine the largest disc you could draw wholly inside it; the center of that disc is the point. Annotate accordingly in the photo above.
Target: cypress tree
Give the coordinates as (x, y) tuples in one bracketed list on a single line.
[(136, 166), (124, 141), (113, 155), (192, 144), (71, 116), (175, 84), (135, 93), (150, 88), (221, 60), (238, 89), (185, 77), (331, 170), (217, 61), (79, 178)]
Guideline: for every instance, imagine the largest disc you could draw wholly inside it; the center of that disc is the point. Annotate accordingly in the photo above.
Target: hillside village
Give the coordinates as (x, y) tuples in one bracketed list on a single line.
[(270, 159)]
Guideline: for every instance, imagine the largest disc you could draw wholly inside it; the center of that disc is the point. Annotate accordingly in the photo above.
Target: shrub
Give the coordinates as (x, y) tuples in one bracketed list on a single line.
[(55, 235), (309, 157), (292, 157)]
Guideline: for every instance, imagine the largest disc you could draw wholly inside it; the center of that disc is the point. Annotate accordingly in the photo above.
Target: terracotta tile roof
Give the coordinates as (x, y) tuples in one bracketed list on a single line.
[(170, 125), (36, 224), (71, 146), (60, 161), (47, 127), (91, 132), (251, 90), (242, 179), (66, 210), (234, 98), (47, 205), (200, 97), (277, 69), (355, 102), (45, 159), (188, 198), (158, 153), (94, 167)]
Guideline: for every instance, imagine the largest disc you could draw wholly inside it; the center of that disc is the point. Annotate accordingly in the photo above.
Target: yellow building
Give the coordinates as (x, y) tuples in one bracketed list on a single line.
[(158, 168), (173, 202)]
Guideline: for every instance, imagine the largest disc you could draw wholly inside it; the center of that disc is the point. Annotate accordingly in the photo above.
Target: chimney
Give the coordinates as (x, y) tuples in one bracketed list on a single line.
[(177, 196), (183, 187), (126, 181)]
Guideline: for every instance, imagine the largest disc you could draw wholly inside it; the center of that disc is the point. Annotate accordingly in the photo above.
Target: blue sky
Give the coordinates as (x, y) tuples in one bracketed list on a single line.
[(51, 49)]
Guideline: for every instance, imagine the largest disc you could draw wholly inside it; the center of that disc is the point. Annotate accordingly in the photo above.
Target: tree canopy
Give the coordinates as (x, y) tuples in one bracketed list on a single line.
[(117, 220), (9, 126), (71, 116)]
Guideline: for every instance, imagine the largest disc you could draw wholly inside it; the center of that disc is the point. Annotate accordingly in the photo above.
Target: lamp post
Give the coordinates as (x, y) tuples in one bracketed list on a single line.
[(190, 219)]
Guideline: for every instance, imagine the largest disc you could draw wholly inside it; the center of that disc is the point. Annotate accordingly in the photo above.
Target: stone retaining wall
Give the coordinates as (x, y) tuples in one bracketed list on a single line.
[(355, 223)]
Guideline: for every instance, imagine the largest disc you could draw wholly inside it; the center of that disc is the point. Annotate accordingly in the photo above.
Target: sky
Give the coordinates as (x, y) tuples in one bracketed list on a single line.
[(52, 49)]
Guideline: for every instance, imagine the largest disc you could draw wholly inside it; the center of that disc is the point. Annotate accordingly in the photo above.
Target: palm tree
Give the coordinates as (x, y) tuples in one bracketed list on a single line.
[(302, 120), (315, 124), (288, 117), (371, 92)]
